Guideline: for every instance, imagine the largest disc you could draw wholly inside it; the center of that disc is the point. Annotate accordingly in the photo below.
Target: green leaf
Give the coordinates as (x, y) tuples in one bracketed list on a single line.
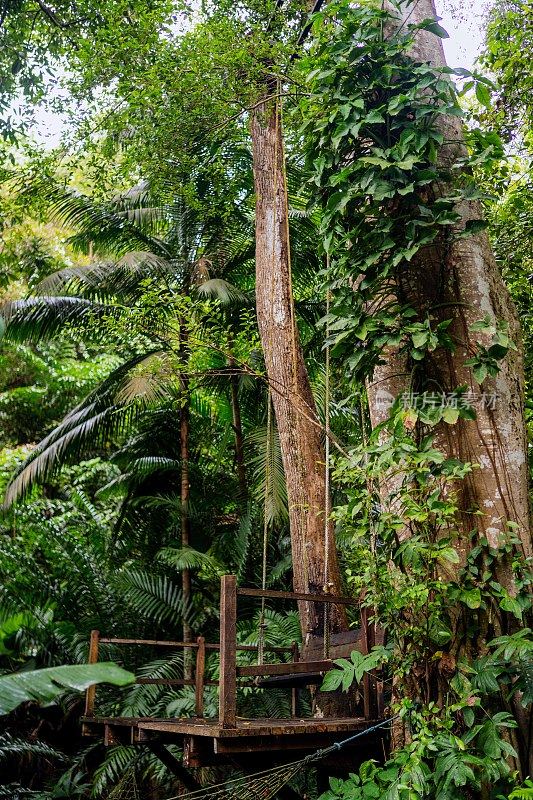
[(419, 339), (332, 680), (471, 597), (433, 27), (450, 415), (483, 94), (45, 685), (468, 716)]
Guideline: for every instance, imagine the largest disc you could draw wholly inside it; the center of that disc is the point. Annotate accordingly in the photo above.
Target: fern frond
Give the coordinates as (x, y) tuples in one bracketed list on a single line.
[(156, 597), (117, 762), (11, 746)]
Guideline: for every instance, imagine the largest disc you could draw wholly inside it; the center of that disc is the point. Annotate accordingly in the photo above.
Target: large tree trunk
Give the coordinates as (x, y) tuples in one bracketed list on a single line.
[(463, 280), (459, 279), (297, 422)]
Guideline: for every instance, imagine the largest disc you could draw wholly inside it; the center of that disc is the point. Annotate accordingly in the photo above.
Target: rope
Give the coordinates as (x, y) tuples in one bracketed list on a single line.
[(327, 482), (265, 785), (126, 788)]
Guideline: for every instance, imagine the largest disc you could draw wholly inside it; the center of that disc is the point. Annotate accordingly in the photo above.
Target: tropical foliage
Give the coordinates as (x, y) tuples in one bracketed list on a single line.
[(140, 459)]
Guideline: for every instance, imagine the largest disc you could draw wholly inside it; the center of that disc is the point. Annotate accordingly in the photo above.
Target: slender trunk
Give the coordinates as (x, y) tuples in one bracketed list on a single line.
[(459, 279), (298, 427), (238, 434), (184, 504)]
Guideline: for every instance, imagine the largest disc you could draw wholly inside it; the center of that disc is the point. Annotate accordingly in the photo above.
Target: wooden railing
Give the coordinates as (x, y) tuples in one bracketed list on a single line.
[(231, 674)]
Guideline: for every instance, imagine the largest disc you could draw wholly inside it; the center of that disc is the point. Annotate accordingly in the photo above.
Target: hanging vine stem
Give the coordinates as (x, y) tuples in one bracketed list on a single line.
[(327, 481), (262, 625)]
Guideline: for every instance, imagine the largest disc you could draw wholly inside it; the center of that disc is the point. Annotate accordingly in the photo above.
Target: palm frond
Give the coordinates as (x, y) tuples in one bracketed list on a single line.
[(223, 291), (188, 558), (38, 318), (118, 761), (150, 380), (92, 424), (81, 501), (113, 277), (266, 466), (99, 224), (144, 700), (14, 791)]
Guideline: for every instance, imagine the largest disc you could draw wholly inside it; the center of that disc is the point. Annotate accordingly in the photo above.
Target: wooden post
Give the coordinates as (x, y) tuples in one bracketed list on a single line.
[(200, 676), (227, 712), (93, 658), (294, 690)]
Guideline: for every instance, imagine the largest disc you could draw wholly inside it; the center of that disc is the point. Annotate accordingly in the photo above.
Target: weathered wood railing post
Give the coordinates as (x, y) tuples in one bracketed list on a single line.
[(200, 676), (93, 658), (227, 712), (368, 640), (294, 691)]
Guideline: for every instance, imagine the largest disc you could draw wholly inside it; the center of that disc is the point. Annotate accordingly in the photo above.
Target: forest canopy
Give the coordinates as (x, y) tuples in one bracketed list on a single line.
[(266, 313)]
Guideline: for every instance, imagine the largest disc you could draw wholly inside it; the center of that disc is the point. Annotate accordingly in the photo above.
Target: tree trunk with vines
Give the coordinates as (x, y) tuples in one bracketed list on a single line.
[(458, 279), (299, 430)]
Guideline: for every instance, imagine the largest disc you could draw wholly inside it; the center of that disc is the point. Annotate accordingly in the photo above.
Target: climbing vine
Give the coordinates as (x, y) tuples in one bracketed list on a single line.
[(459, 652), (372, 136)]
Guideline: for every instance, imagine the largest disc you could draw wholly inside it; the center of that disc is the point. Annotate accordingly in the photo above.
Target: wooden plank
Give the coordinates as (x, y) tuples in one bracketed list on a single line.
[(293, 682), (187, 727), (290, 668), (311, 598), (90, 694), (172, 682), (267, 648), (126, 721), (280, 743), (198, 752), (151, 642), (116, 735), (245, 728), (227, 712), (207, 645), (200, 677), (340, 644)]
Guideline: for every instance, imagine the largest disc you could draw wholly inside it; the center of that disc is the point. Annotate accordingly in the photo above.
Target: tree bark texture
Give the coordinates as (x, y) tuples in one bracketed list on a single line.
[(460, 279), (299, 430)]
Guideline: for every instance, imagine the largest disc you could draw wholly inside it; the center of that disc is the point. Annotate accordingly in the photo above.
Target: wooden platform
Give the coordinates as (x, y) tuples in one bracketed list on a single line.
[(206, 741)]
